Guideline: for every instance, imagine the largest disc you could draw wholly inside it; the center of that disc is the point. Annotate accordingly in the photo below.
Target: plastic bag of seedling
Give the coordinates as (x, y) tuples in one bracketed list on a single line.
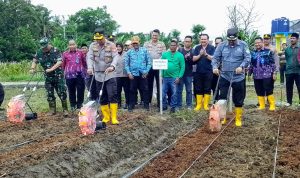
[(16, 109), (87, 118)]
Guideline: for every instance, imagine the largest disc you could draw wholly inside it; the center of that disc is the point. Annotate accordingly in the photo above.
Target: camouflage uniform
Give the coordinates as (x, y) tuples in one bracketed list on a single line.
[(55, 79)]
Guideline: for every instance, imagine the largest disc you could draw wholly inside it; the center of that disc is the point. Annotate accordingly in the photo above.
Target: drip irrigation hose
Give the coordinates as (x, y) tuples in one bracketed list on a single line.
[(155, 155), (276, 149), (205, 150)]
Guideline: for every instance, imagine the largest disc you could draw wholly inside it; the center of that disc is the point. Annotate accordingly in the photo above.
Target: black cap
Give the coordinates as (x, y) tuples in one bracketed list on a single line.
[(99, 30), (111, 37), (232, 33), (295, 35), (267, 36), (44, 42)]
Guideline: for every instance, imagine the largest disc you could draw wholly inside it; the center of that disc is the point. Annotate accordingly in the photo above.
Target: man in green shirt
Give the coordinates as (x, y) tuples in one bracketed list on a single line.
[(292, 68), (172, 75)]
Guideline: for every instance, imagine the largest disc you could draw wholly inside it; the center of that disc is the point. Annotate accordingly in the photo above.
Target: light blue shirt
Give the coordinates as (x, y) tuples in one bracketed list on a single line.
[(137, 61)]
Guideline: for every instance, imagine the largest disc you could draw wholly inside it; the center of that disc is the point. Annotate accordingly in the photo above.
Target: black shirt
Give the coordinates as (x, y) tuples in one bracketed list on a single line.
[(188, 58), (204, 64)]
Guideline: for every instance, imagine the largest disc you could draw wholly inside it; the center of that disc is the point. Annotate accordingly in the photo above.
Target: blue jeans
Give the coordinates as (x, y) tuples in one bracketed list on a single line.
[(169, 84), (187, 81)]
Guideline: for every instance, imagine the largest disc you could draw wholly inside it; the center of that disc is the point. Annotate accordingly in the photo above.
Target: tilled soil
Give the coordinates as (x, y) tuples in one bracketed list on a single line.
[(242, 152), (54, 147), (57, 149), (239, 152), (289, 145)]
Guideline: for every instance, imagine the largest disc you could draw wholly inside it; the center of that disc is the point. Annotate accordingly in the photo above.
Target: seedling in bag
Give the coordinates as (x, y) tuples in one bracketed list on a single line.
[(87, 118), (214, 118), (16, 109)]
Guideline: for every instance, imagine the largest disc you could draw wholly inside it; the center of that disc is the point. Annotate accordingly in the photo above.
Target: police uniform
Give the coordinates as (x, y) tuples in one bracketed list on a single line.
[(53, 80), (99, 58)]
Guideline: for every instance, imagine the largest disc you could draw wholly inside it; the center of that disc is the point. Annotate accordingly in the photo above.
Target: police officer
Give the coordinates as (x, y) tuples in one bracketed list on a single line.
[(111, 38), (234, 55), (102, 61), (50, 60)]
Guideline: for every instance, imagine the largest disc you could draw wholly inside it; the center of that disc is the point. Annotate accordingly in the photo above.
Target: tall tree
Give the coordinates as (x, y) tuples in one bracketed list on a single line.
[(175, 34), (196, 30), (19, 29), (87, 20)]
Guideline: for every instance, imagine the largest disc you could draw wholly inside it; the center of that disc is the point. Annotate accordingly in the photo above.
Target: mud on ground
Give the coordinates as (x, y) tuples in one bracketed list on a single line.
[(238, 152), (59, 150)]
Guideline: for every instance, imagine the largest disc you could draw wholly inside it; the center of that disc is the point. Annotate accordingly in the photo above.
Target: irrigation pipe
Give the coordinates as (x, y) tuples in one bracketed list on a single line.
[(276, 149), (155, 155), (205, 150)]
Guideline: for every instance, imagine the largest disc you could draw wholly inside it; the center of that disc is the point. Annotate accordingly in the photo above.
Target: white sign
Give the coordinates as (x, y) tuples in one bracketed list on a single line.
[(160, 64)]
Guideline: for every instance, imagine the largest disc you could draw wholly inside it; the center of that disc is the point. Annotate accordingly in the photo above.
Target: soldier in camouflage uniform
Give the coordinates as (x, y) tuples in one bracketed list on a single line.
[(50, 60), (102, 61)]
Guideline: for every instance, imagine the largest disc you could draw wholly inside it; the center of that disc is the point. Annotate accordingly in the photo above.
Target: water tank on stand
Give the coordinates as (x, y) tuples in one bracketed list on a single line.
[(283, 24), (274, 26)]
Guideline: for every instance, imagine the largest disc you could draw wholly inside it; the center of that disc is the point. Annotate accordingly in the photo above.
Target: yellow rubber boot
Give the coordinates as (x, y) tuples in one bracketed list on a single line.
[(238, 116), (199, 99), (271, 99), (206, 102), (105, 112), (261, 101), (224, 121), (114, 110)]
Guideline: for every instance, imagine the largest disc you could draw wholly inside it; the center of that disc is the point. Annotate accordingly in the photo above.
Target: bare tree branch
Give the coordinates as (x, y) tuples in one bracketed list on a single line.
[(243, 17)]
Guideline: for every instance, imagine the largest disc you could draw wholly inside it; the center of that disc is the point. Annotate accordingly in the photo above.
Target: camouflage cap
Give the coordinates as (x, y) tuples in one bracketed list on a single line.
[(44, 42)]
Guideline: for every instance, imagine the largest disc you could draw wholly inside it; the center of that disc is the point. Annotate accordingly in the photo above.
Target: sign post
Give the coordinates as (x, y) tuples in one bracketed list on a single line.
[(160, 64)]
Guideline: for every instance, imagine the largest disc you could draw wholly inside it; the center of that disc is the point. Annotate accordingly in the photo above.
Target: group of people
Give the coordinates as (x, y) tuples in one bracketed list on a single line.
[(106, 68)]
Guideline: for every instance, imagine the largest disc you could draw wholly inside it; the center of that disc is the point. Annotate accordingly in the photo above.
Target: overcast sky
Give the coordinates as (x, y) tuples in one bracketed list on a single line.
[(146, 15)]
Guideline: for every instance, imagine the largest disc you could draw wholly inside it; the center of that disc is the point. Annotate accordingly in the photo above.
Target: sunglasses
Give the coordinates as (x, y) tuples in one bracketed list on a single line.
[(134, 43)]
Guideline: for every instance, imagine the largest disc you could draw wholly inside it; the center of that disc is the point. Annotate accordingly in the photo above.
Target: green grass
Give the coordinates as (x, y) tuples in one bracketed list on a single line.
[(39, 103), (17, 71)]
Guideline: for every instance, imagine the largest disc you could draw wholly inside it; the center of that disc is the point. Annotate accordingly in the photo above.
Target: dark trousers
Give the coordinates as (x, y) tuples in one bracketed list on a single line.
[(90, 84), (202, 83), (214, 85), (57, 84), (282, 71), (141, 94), (151, 75), (123, 83), (109, 92), (264, 87), (138, 81), (1, 94), (76, 91), (290, 79), (238, 91)]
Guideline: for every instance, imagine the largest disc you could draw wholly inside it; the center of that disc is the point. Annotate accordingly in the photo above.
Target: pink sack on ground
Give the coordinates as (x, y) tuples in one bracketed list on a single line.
[(16, 109), (214, 118), (87, 118)]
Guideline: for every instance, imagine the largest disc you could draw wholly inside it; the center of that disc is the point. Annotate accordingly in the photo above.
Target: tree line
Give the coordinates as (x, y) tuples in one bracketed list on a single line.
[(23, 24)]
